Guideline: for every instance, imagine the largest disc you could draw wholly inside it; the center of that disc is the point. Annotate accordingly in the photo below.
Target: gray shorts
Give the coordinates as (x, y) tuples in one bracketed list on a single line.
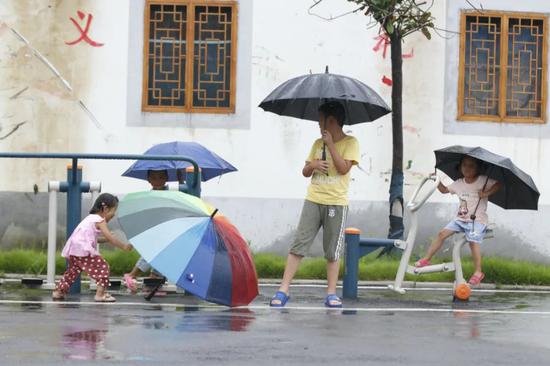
[(332, 219), (146, 267)]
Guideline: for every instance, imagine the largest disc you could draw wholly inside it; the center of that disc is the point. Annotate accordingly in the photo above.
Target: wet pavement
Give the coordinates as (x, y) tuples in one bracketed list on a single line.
[(380, 328)]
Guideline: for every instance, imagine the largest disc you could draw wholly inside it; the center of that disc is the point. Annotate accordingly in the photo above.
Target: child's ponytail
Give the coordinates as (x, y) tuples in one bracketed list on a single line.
[(104, 201)]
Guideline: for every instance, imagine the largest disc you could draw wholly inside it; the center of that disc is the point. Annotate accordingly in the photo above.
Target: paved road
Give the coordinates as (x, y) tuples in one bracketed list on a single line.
[(380, 328)]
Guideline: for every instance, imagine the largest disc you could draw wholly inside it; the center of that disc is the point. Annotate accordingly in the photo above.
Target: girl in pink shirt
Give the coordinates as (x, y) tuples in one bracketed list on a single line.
[(473, 191), (82, 252)]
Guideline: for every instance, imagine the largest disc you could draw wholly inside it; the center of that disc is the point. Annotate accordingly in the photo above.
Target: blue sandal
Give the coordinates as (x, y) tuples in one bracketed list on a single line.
[(333, 298), (282, 297)]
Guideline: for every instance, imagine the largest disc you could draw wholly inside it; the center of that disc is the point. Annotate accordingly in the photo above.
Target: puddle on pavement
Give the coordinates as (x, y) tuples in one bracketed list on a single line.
[(235, 320)]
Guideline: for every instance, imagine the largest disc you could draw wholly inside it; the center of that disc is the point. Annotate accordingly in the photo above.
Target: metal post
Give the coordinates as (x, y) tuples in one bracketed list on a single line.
[(74, 202), (53, 188), (413, 206), (193, 181), (404, 263), (94, 188), (457, 246), (351, 264), (74, 207)]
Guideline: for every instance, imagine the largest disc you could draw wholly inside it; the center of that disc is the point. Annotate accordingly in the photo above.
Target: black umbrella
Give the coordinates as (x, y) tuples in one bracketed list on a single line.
[(302, 96), (518, 191)]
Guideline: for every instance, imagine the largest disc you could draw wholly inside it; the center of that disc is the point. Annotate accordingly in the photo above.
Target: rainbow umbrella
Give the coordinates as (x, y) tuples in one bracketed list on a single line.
[(187, 241)]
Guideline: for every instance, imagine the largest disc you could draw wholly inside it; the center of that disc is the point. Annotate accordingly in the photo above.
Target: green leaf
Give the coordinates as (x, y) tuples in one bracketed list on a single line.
[(389, 27), (426, 33)]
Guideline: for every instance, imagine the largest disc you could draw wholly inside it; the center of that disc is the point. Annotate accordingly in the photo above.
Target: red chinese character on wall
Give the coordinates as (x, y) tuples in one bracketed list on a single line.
[(83, 32)]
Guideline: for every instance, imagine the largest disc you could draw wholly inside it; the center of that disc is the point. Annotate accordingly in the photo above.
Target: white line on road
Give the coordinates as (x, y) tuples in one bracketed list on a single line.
[(372, 287), (267, 307)]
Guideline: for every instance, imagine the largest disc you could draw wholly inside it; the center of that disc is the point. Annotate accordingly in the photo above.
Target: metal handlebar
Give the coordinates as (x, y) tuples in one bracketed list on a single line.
[(414, 206), (75, 157)]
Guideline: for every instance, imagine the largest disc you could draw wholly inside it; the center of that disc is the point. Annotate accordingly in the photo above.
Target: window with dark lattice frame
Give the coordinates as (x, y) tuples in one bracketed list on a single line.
[(503, 67), (189, 56)]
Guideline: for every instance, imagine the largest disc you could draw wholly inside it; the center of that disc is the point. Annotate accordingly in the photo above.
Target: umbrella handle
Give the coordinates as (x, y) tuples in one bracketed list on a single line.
[(155, 289), (324, 156)]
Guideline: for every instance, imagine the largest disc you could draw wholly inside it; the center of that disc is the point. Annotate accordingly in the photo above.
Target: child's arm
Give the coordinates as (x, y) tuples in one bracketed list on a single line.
[(342, 166), (111, 238), (440, 187), (494, 189), (311, 166), (443, 189)]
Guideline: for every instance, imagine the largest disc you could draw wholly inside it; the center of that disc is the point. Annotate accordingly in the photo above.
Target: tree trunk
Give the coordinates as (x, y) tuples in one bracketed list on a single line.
[(396, 229)]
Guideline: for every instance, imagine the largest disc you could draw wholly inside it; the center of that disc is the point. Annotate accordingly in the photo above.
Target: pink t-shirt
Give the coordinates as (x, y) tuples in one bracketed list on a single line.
[(468, 195), (83, 241)]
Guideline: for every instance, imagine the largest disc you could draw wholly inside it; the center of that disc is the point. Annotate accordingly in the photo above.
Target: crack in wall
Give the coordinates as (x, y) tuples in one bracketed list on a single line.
[(57, 74), (15, 128)]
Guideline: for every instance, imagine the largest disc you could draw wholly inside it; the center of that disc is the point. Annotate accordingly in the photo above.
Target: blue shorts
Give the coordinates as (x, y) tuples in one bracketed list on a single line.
[(476, 235)]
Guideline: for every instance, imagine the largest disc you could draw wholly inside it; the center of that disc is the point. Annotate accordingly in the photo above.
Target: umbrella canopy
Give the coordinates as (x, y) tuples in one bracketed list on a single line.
[(518, 190), (301, 97), (211, 165), (184, 239)]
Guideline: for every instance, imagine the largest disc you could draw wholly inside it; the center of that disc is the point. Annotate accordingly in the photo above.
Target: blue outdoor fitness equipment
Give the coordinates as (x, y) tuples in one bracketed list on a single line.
[(74, 186), (357, 247)]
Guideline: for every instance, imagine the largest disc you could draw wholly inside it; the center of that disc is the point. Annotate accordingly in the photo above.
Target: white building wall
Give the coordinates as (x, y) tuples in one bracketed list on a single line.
[(277, 40)]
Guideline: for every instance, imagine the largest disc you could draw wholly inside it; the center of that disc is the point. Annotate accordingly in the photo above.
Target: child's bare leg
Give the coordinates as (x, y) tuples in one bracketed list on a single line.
[(437, 243), (333, 268), (99, 292), (476, 257), (141, 266), (135, 272), (292, 264)]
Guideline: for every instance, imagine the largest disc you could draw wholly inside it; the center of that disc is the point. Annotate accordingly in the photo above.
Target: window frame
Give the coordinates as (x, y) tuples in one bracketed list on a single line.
[(501, 117), (190, 55)]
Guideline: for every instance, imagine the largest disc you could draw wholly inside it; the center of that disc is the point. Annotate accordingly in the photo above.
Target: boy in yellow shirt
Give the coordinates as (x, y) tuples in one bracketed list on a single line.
[(326, 203)]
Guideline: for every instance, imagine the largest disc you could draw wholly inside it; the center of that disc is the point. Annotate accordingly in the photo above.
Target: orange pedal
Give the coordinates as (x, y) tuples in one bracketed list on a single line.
[(463, 291)]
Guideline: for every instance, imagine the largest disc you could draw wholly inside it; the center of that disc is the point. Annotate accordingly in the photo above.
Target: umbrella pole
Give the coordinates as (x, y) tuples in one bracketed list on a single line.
[(324, 156), (473, 216)]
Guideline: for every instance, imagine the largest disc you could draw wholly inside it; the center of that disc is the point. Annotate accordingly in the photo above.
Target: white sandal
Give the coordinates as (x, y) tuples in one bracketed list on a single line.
[(105, 298)]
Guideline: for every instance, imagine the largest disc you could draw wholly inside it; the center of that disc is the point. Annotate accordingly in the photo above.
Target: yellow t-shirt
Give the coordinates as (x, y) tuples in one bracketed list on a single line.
[(332, 189)]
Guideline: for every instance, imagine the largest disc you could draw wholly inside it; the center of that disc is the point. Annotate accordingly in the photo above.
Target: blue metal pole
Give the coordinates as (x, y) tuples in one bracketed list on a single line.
[(74, 208), (351, 264), (193, 181)]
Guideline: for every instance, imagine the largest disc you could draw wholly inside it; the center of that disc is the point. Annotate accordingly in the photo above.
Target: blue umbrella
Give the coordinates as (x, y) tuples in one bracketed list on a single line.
[(211, 165)]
